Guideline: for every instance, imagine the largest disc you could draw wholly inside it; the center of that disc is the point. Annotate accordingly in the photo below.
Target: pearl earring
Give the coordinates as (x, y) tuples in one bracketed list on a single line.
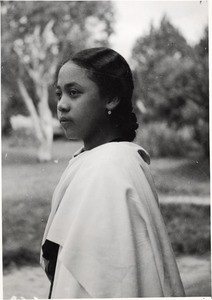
[(109, 112)]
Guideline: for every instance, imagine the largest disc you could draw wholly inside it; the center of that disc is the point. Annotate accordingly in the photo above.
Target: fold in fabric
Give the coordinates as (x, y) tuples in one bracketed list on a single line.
[(106, 218)]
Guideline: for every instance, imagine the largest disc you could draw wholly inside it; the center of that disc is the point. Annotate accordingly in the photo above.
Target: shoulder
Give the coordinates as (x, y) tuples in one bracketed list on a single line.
[(121, 154)]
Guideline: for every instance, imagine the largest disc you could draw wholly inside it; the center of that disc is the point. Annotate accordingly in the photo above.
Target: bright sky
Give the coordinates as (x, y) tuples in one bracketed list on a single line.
[(133, 19)]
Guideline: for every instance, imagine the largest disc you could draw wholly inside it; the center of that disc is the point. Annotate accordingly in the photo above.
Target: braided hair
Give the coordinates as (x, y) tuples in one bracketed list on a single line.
[(112, 74)]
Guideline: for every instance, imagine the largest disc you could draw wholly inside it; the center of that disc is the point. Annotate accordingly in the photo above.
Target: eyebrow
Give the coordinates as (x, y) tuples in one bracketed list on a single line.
[(68, 85)]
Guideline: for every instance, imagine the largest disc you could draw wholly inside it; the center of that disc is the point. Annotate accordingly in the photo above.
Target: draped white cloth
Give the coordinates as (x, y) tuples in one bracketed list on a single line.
[(106, 218)]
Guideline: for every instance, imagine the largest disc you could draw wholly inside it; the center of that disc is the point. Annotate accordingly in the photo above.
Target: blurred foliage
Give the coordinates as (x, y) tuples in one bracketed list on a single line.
[(172, 80), (74, 23), (72, 26), (161, 140)]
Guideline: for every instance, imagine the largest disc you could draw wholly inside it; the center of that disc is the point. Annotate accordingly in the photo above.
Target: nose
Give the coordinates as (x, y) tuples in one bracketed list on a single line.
[(63, 105)]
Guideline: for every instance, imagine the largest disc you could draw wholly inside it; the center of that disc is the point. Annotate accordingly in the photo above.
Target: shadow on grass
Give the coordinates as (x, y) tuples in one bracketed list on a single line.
[(188, 226), (194, 168), (23, 225), (21, 257), (181, 176)]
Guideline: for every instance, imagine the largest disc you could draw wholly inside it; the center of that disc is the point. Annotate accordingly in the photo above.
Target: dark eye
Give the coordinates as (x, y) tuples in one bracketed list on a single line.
[(58, 94), (73, 93)]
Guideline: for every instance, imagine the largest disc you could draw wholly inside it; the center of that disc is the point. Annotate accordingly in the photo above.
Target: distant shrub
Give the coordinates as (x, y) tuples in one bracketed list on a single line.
[(160, 140), (188, 227)]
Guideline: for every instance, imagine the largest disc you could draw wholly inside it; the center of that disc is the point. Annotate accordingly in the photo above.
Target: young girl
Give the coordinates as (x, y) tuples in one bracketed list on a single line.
[(105, 236)]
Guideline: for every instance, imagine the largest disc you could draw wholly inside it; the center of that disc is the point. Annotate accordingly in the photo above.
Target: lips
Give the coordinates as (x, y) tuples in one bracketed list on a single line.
[(64, 121)]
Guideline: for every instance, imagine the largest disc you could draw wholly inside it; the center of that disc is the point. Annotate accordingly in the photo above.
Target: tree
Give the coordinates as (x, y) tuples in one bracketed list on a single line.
[(155, 58), (35, 37), (200, 91), (170, 79)]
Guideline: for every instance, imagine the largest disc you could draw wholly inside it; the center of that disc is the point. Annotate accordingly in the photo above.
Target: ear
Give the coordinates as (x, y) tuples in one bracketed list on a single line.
[(112, 103)]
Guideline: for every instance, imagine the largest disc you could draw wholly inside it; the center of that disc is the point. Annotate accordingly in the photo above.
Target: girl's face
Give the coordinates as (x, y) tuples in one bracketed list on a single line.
[(81, 112)]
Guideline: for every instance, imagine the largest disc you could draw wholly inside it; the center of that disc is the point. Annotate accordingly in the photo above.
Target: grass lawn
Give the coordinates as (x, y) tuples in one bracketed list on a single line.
[(181, 176), (28, 187)]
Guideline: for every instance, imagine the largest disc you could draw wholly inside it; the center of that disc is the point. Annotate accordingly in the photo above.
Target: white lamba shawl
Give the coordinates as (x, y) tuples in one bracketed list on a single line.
[(106, 218)]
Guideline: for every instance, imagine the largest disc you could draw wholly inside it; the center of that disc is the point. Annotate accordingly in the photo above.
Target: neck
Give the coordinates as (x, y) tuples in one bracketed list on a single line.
[(101, 139)]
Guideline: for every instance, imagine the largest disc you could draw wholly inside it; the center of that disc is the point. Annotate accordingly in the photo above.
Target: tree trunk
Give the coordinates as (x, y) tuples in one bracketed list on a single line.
[(45, 115), (31, 108), (42, 120)]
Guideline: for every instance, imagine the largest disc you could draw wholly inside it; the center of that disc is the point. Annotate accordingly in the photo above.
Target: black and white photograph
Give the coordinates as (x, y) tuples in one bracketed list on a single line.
[(105, 149)]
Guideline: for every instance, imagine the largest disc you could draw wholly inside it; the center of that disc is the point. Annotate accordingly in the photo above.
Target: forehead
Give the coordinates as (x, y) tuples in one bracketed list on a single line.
[(70, 72)]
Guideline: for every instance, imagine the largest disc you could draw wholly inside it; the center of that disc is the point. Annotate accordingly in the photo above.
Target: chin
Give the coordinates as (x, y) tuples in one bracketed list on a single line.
[(72, 136), (73, 139)]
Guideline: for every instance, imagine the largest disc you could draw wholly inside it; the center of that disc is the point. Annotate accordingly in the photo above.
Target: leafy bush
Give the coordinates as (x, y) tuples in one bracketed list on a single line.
[(172, 80), (160, 140)]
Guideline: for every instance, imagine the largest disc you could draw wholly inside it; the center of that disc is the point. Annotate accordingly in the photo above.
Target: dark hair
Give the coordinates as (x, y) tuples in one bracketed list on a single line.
[(112, 74)]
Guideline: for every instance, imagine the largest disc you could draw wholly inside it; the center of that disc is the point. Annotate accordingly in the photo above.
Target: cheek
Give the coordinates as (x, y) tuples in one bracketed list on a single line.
[(96, 114), (57, 112), (92, 109)]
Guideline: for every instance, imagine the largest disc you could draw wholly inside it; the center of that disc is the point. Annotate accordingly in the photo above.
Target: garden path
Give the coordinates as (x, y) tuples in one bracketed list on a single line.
[(190, 199)]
